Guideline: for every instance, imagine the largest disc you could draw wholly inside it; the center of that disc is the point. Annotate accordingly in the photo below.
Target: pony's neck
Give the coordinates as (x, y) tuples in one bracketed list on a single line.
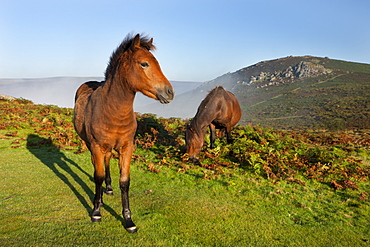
[(119, 93), (199, 126)]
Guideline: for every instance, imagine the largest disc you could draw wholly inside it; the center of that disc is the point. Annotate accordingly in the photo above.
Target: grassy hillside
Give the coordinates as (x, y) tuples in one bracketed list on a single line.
[(336, 101), (291, 93), (270, 187)]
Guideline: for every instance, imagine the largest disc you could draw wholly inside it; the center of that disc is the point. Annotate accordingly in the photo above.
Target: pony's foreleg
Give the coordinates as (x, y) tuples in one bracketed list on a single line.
[(125, 154), (108, 180), (212, 136), (228, 135), (99, 174)]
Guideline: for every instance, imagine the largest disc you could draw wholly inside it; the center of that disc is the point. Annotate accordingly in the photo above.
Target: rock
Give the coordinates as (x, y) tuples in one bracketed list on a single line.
[(6, 97), (301, 70), (308, 69)]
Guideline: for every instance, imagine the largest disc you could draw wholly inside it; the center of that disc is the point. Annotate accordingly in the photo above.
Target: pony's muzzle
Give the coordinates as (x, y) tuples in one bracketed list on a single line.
[(165, 95)]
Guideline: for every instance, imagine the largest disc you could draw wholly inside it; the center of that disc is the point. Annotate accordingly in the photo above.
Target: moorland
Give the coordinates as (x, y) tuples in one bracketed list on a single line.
[(271, 187)]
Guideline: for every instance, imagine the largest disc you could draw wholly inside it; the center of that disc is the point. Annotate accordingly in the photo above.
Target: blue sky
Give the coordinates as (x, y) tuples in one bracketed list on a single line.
[(196, 40)]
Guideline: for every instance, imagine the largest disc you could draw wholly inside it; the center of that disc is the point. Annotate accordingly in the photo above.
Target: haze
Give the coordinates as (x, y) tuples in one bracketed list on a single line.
[(197, 41)]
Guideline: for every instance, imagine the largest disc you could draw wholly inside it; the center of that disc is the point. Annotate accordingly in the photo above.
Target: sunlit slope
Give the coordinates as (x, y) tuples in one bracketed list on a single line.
[(302, 92), (336, 100)]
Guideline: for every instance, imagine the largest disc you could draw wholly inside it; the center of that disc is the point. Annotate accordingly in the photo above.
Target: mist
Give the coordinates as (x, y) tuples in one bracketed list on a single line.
[(61, 91)]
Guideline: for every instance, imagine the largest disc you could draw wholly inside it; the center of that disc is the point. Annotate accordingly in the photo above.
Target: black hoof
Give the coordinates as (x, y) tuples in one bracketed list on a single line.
[(131, 229), (130, 226), (95, 218), (195, 161)]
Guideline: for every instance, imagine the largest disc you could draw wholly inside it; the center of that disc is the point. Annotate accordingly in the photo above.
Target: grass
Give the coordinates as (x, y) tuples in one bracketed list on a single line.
[(269, 188), (46, 200)]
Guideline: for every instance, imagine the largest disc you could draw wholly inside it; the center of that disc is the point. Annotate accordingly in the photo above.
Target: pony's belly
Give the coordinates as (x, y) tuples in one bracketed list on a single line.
[(112, 136), (219, 124)]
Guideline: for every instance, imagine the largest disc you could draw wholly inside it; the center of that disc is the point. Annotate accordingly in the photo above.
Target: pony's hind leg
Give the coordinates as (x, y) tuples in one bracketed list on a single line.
[(108, 180), (99, 175)]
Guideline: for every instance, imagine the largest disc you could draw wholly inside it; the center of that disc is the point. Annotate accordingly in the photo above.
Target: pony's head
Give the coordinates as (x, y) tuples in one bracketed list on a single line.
[(134, 61), (194, 143)]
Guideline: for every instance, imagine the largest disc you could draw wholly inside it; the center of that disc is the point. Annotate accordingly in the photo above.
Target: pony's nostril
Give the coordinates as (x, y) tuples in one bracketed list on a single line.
[(170, 92), (165, 95)]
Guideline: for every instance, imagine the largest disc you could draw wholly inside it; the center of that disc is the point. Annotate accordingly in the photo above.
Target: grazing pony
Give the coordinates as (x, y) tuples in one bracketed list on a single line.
[(219, 110), (104, 116)]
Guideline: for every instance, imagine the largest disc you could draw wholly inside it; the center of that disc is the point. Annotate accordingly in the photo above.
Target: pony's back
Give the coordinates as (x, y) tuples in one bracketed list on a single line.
[(88, 88), (219, 104), (221, 110)]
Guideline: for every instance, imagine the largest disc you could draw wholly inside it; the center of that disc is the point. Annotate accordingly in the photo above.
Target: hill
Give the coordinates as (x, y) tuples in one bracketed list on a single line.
[(292, 92)]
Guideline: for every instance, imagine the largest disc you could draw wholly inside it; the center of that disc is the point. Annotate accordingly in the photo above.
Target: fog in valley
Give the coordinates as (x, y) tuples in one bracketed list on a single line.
[(60, 91)]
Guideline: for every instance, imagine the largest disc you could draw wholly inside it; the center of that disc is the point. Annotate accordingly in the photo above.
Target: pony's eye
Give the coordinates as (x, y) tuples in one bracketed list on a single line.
[(144, 64)]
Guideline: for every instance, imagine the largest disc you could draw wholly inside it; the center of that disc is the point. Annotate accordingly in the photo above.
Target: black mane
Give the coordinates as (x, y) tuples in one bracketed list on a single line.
[(145, 42)]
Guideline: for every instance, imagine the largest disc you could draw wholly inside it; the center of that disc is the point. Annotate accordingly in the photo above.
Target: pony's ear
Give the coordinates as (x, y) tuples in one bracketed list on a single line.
[(136, 42)]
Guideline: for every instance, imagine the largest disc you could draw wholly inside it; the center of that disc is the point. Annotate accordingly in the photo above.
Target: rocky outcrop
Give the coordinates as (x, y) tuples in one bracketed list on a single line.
[(308, 69), (6, 97), (301, 70)]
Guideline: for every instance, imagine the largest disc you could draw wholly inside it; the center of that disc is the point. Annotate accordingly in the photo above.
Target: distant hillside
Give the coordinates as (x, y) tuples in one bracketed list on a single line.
[(60, 91), (305, 92), (293, 92)]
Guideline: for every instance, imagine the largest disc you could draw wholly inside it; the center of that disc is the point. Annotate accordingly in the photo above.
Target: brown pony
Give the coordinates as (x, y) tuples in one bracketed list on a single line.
[(104, 117), (219, 110)]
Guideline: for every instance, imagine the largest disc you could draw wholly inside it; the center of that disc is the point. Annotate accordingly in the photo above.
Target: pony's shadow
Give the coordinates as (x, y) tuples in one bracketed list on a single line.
[(51, 156)]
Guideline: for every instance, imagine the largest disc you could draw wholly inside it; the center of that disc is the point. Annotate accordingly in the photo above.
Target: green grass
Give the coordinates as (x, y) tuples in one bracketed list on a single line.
[(269, 188), (46, 195)]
